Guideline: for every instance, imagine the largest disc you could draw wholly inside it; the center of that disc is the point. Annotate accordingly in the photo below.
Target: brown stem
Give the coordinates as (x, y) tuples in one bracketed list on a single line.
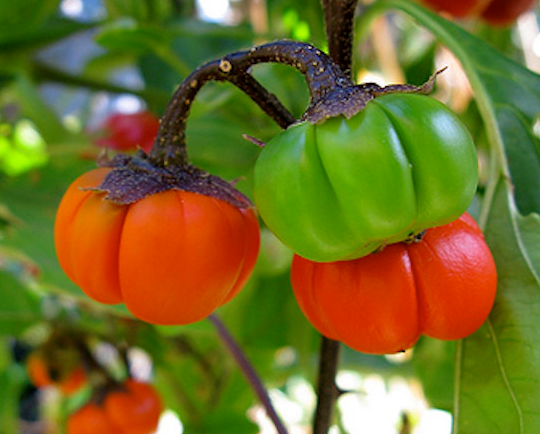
[(322, 76), (249, 372), (267, 101), (339, 17), (327, 391)]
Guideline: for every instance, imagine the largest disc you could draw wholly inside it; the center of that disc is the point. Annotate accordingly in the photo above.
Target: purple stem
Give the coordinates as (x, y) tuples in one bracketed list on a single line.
[(249, 372)]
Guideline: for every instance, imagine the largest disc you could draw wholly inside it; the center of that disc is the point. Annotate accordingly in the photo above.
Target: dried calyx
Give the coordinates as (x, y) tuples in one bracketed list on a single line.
[(348, 99), (135, 177)]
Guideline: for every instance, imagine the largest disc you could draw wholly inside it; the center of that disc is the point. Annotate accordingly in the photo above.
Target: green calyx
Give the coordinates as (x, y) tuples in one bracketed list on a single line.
[(345, 188)]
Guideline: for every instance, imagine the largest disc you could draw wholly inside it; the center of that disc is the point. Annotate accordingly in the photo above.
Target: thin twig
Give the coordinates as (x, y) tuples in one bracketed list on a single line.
[(249, 372), (267, 101)]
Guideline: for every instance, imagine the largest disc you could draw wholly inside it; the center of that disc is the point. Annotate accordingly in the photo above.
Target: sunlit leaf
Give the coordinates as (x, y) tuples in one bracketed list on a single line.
[(19, 307), (499, 367)]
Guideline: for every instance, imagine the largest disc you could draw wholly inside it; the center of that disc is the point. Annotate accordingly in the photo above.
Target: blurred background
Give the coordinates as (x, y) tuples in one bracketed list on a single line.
[(82, 77)]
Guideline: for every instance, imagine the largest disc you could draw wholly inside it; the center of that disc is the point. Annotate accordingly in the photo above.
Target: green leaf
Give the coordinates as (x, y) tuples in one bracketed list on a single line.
[(33, 199), (434, 365), (142, 10), (19, 307), (23, 16), (497, 377), (54, 29), (12, 381), (127, 36), (37, 110), (132, 37)]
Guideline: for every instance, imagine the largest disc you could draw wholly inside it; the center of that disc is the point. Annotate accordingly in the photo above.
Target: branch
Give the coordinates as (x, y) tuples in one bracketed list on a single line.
[(327, 391), (267, 101), (321, 73), (249, 372), (339, 17)]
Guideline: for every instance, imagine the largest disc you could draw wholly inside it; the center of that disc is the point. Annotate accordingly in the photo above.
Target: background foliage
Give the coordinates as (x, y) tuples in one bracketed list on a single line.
[(61, 73)]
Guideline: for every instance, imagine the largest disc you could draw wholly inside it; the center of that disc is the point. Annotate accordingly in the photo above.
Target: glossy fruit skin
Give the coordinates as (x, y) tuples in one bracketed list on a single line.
[(443, 287), (172, 257), (342, 189), (135, 410), (40, 375), (495, 12), (126, 132)]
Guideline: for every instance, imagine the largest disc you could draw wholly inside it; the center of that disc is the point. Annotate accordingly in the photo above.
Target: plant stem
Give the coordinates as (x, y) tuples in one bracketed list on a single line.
[(249, 372), (339, 18), (327, 391), (322, 76), (267, 101)]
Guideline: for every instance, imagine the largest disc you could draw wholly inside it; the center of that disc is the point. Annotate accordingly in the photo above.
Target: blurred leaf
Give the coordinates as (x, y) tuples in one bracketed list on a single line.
[(310, 14), (193, 44), (7, 220), (22, 148), (142, 10), (434, 365), (132, 37), (103, 65), (22, 16), (12, 381), (54, 29), (274, 257), (227, 422), (19, 307), (33, 199), (33, 107)]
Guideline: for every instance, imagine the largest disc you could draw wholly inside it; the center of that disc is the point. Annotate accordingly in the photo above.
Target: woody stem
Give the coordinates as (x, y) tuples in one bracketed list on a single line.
[(249, 372), (339, 18), (321, 73)]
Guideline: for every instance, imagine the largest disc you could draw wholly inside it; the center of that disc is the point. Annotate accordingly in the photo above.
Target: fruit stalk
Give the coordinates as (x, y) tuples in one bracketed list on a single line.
[(322, 75), (249, 372)]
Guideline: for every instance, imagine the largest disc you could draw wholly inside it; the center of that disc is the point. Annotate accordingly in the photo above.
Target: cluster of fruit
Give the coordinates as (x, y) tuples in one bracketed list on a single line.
[(368, 189), (127, 407)]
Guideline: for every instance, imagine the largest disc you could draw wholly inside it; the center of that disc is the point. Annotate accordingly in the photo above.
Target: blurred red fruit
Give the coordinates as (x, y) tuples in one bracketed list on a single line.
[(126, 132)]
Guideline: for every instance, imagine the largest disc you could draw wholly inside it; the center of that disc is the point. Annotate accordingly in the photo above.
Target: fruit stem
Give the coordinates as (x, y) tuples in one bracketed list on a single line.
[(321, 73), (249, 372)]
